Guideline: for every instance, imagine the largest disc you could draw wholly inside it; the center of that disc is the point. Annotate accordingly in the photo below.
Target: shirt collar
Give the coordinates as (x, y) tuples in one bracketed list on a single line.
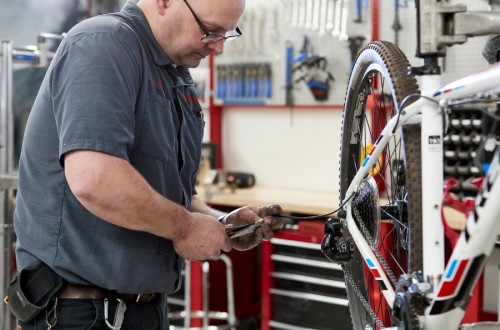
[(139, 19)]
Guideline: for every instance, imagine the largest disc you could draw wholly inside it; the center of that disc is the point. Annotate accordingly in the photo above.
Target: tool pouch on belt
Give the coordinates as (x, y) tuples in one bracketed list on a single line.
[(31, 291)]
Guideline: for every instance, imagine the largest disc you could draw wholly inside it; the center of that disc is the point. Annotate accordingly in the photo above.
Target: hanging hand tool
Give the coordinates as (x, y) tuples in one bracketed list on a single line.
[(316, 15), (360, 6), (295, 13), (316, 76), (396, 25), (330, 15), (358, 12), (343, 25), (268, 81), (305, 51), (323, 17), (337, 19), (222, 81), (288, 74), (355, 44), (309, 14), (302, 14), (287, 9)]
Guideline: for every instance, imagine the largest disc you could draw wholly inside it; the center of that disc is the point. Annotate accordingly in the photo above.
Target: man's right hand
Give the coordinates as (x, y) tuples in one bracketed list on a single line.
[(201, 237)]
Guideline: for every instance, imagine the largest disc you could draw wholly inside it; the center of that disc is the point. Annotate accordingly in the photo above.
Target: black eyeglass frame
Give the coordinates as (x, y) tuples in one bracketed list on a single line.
[(211, 37)]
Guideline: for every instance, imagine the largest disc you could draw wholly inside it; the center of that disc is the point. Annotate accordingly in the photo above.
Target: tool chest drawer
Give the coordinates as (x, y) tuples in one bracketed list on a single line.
[(301, 289), (310, 311)]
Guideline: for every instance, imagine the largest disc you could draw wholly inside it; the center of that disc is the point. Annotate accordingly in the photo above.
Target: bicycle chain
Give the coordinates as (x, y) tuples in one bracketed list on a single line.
[(361, 298), (351, 281), (369, 239)]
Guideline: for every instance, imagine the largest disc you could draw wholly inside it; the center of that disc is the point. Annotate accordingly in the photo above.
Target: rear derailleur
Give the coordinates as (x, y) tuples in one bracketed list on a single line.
[(335, 246)]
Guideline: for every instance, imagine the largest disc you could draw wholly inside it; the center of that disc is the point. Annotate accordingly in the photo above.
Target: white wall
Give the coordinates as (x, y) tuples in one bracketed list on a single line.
[(285, 148)]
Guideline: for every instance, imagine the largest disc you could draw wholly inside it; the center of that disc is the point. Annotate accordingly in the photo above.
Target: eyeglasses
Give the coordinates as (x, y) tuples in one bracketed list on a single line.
[(211, 37)]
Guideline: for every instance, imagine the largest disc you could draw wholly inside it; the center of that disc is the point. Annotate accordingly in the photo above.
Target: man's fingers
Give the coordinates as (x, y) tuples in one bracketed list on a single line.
[(267, 232), (270, 210), (276, 223)]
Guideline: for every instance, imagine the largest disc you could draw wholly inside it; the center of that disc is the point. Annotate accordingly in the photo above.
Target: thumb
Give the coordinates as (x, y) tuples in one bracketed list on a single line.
[(270, 210)]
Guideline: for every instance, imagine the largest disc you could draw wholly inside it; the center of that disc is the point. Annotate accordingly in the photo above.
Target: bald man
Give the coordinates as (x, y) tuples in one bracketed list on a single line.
[(106, 197)]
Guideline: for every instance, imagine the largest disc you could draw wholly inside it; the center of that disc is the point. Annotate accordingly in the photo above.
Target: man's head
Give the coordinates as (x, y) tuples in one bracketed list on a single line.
[(180, 25)]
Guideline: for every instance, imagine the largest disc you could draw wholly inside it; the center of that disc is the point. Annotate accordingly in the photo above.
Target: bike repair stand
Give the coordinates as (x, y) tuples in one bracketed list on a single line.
[(440, 25), (205, 314)]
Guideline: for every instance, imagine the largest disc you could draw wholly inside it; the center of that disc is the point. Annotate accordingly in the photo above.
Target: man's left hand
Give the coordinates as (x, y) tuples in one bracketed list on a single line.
[(251, 214)]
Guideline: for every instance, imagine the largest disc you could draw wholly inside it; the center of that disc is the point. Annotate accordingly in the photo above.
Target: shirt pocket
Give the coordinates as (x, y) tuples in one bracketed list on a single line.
[(158, 139)]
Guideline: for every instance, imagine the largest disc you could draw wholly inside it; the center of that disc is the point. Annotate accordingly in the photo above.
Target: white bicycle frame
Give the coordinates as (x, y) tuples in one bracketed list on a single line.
[(451, 287)]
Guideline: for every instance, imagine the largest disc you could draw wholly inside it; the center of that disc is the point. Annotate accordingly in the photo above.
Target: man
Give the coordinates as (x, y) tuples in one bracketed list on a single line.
[(107, 173)]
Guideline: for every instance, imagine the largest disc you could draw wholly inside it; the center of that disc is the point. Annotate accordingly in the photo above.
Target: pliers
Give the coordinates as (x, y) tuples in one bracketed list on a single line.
[(237, 231)]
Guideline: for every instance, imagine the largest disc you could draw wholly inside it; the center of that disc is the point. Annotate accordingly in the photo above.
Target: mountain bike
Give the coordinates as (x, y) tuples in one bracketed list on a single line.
[(389, 235)]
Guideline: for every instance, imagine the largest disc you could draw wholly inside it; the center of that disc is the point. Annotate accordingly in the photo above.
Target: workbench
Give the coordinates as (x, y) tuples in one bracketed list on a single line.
[(291, 200)]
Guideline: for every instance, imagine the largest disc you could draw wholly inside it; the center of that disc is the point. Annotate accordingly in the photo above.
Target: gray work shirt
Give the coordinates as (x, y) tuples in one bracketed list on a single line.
[(110, 88)]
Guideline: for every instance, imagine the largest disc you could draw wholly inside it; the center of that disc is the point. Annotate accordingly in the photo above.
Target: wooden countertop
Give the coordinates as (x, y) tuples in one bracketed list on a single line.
[(291, 200)]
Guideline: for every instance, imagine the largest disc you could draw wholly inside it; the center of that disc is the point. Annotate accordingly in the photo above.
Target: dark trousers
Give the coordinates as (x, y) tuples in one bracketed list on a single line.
[(73, 314)]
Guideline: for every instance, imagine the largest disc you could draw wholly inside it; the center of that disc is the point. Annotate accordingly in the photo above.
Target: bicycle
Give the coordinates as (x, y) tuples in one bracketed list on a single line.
[(389, 235)]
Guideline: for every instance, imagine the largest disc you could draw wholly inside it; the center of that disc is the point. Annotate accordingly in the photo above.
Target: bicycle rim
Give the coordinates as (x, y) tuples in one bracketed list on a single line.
[(378, 84)]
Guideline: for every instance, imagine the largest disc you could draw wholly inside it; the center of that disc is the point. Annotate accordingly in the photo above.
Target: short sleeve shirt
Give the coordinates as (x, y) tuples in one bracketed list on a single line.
[(110, 88)]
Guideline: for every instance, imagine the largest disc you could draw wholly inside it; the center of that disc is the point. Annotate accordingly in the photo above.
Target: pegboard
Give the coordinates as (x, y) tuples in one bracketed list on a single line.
[(268, 25)]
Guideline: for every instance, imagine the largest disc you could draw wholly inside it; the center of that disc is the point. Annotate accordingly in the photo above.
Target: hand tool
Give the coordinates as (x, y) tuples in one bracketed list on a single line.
[(355, 44), (316, 15), (295, 13), (302, 14), (330, 15), (273, 23), (396, 25), (268, 81), (343, 26), (323, 17), (287, 10), (237, 231), (338, 17), (309, 14), (288, 74)]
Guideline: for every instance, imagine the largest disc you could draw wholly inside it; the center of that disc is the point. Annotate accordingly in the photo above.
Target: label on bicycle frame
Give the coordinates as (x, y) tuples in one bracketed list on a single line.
[(434, 143)]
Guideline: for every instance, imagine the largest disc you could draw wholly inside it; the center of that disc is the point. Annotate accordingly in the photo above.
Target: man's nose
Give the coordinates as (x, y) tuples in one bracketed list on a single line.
[(217, 47)]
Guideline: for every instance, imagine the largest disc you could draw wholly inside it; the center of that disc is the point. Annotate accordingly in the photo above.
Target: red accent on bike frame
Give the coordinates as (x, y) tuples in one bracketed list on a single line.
[(375, 273), (376, 298), (449, 287)]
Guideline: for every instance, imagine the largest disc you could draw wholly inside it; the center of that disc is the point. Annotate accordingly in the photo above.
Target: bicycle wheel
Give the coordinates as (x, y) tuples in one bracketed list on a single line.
[(378, 84)]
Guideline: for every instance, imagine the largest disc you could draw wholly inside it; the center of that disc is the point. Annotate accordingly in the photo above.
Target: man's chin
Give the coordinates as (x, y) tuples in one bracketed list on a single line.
[(192, 63)]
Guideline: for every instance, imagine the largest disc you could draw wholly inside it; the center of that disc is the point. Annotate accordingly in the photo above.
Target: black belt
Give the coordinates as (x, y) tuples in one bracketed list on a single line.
[(76, 291)]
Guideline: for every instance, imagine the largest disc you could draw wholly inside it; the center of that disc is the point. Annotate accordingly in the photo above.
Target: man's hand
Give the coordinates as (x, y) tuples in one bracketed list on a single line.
[(251, 214), (201, 237)]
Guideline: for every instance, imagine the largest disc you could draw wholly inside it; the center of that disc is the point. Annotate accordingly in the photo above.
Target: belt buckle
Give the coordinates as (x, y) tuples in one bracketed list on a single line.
[(144, 297)]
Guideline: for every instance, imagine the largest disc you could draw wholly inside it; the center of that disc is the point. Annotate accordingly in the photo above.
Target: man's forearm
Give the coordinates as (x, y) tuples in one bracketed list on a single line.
[(113, 190)]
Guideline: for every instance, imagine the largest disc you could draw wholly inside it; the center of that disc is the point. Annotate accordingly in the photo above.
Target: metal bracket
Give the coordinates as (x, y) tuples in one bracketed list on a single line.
[(441, 25), (8, 181)]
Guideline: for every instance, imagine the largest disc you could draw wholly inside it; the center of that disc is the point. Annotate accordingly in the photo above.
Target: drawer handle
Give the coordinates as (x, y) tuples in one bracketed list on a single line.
[(305, 262), (310, 296), (308, 279), (286, 326), (287, 242)]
